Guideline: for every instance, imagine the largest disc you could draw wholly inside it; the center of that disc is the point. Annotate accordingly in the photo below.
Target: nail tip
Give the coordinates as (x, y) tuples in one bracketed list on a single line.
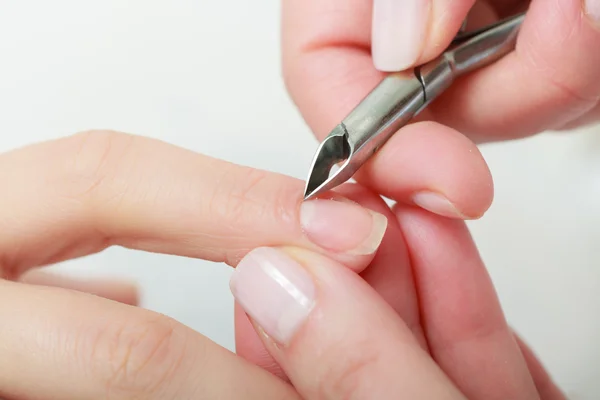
[(437, 204), (373, 241), (388, 67)]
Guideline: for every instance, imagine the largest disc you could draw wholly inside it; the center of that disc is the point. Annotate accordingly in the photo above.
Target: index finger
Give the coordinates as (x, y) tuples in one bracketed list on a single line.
[(78, 195)]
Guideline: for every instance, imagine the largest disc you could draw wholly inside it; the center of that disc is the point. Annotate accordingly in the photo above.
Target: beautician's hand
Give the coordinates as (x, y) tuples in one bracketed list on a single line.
[(334, 51), (335, 337)]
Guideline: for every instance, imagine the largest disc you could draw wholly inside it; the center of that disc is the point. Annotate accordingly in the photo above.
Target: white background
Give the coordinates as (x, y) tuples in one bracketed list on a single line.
[(205, 75)]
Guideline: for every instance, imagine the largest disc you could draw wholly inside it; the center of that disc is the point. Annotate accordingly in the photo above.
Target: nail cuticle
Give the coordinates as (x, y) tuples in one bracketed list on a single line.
[(342, 227)]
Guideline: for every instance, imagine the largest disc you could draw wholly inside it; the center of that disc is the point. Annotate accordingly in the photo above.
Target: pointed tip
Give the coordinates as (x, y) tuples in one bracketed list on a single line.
[(335, 177), (333, 150), (311, 193), (309, 196)]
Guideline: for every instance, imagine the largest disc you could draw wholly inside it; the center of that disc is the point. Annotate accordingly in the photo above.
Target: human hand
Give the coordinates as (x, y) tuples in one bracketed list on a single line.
[(439, 334), (76, 196), (551, 80)]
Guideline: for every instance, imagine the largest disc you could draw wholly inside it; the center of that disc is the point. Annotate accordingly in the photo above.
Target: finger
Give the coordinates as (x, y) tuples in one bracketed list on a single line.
[(331, 55), (389, 274), (557, 60), (78, 195), (434, 167), (329, 330), (74, 346), (543, 381), (406, 33), (327, 65), (117, 290), (463, 321)]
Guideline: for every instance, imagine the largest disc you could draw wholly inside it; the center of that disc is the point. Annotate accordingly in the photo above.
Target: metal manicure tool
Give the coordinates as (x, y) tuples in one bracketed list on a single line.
[(399, 98)]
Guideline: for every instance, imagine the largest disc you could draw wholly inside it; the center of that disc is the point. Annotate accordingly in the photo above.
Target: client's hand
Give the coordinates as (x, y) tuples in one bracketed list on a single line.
[(75, 196), (436, 334)]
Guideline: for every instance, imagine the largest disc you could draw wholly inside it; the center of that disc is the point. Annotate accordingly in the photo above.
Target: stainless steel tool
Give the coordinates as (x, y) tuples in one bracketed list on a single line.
[(399, 98)]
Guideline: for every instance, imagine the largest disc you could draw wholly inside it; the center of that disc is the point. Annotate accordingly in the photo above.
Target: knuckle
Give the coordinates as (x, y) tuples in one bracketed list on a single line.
[(347, 377), (93, 156), (143, 355)]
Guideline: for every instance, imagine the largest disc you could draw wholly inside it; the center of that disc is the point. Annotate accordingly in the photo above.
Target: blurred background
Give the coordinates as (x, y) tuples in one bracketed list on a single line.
[(206, 76)]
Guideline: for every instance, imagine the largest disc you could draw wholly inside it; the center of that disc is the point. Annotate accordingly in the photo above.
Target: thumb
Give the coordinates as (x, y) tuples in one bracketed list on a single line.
[(409, 32), (331, 333)]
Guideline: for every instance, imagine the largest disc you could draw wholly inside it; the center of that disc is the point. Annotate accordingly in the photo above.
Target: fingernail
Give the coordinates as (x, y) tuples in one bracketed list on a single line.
[(398, 33), (275, 291), (592, 9), (343, 227), (437, 204)]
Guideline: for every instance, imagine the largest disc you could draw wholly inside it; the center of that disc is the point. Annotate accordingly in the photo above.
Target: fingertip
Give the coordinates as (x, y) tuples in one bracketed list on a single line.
[(347, 224), (445, 19), (329, 330), (438, 204), (343, 227), (398, 33), (434, 167)]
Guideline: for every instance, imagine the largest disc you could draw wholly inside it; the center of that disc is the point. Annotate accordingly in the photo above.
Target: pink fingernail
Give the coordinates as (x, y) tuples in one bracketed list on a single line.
[(592, 9), (399, 28), (275, 291), (343, 226), (437, 204)]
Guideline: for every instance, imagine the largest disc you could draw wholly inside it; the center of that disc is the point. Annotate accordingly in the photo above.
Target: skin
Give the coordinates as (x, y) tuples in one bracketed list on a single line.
[(78, 195)]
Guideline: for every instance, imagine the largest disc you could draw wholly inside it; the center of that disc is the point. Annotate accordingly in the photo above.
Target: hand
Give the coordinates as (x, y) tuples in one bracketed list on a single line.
[(76, 196), (551, 80), (331, 333)]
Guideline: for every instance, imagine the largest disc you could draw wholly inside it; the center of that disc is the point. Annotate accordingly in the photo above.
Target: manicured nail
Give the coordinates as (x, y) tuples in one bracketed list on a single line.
[(437, 204), (343, 227), (592, 9), (275, 291), (398, 33)]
